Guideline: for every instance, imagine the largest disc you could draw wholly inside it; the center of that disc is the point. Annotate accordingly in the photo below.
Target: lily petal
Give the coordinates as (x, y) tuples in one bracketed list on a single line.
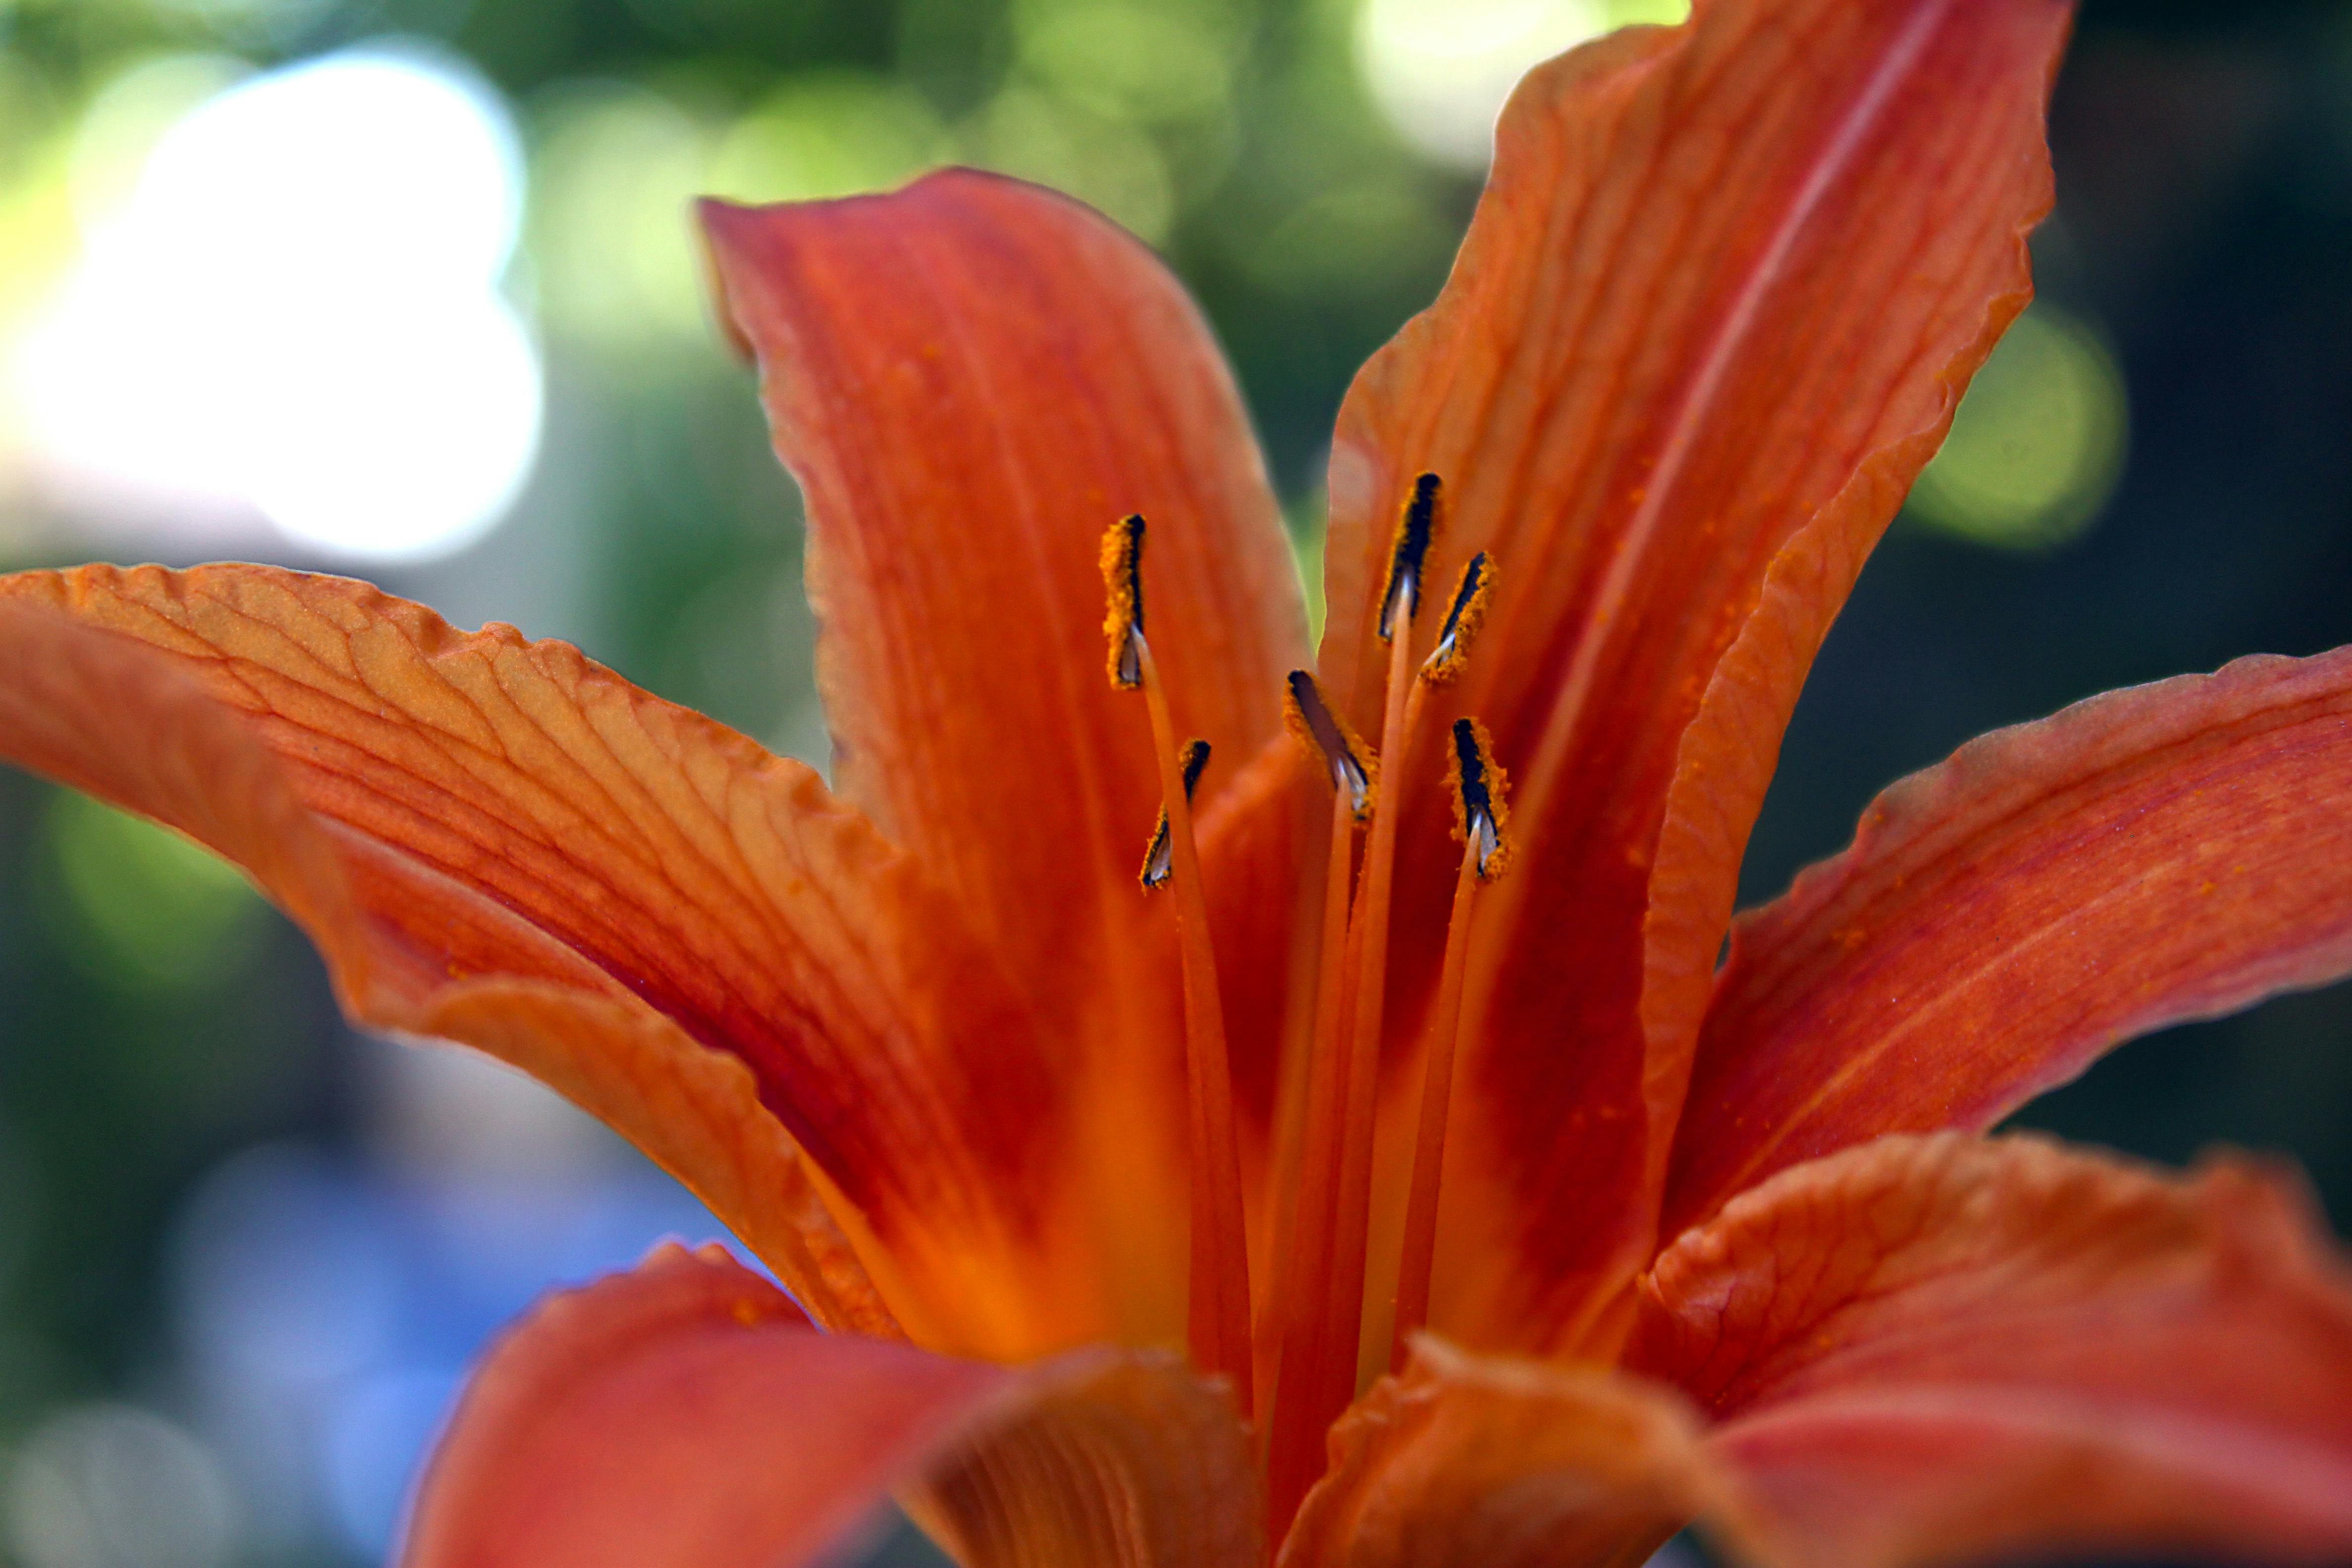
[(501, 841), (1714, 312), (2168, 852), (971, 378), (694, 1111), (1257, 842), (1506, 1464), (1109, 1457), (685, 1415), (682, 1415), (1934, 1350)]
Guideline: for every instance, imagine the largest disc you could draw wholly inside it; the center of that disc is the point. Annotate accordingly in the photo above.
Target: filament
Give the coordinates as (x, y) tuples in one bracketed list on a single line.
[(1219, 1305), (1436, 1100), (1351, 1224), (1481, 814), (1295, 1435), (1217, 1324)]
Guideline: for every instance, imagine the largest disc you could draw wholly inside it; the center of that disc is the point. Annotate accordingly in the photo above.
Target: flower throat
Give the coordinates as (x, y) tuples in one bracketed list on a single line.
[(1311, 1317)]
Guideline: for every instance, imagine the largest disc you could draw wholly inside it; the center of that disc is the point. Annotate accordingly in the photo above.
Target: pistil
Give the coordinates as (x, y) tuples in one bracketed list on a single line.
[(1219, 1296), (1480, 817)]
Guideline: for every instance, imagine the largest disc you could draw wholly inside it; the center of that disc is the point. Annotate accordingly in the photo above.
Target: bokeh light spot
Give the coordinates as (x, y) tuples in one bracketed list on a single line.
[(833, 133), (268, 23), (1129, 61), (127, 119), (615, 170), (2038, 443), (297, 311), (1441, 70), (109, 1486), (150, 907), (1104, 163), (374, 1446), (1352, 243)]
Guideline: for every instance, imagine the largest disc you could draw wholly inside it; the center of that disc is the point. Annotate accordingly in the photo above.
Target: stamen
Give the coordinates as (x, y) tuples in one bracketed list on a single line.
[(1322, 1339), (1158, 858), (1351, 1223), (1354, 770), (1122, 570), (1461, 621), (1480, 815), (1417, 523), (1295, 1432), (1219, 1326)]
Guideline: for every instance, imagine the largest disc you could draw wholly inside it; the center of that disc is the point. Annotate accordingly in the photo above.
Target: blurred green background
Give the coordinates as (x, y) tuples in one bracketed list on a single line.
[(405, 288)]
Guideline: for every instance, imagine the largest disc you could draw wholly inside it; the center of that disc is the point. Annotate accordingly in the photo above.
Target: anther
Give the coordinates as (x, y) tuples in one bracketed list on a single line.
[(1354, 770), (1479, 812), (1462, 620), (1417, 523), (1159, 860), (1122, 570)]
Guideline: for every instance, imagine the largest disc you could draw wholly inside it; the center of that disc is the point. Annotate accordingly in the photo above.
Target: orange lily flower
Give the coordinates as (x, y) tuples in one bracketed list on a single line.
[(1119, 1205)]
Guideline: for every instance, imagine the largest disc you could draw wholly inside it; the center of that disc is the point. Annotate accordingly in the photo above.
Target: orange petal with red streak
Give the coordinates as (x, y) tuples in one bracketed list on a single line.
[(971, 378), (1506, 1464), (2168, 852), (1714, 312), (1109, 1457), (684, 1415), (1261, 845), (1939, 1350), (501, 841)]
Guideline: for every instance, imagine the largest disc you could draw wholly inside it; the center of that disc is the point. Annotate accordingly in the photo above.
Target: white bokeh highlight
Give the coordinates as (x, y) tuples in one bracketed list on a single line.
[(297, 311), (1441, 70)]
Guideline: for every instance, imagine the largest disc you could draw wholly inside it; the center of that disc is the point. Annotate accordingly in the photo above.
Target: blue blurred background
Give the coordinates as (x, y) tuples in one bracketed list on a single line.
[(405, 288)]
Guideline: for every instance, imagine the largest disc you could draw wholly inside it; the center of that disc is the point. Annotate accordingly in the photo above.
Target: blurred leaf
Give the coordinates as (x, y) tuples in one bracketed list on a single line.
[(614, 170), (828, 133), (1126, 61), (151, 909), (2038, 443), (1104, 163)]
